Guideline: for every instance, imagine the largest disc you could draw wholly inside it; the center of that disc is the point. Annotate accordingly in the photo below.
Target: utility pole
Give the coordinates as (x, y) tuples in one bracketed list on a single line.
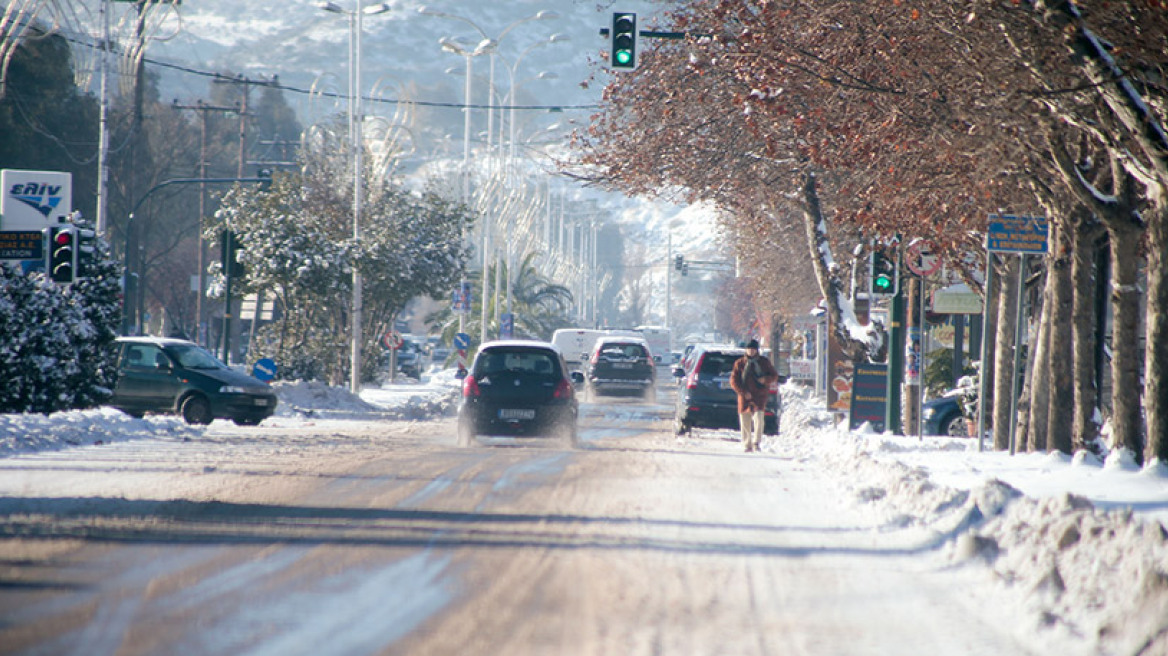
[(247, 84), (202, 108), (103, 122), (669, 283)]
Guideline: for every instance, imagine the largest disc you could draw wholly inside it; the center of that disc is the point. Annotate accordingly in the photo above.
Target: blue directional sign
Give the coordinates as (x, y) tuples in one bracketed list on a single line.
[(264, 369), (1017, 234), (462, 341), (506, 325)]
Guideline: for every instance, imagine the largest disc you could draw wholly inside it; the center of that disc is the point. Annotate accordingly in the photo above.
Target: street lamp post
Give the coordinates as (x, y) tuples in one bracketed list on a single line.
[(515, 84), (355, 120), (486, 46), (458, 48)]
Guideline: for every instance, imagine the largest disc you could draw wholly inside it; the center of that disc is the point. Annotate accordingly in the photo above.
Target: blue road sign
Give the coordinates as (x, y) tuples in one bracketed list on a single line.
[(462, 341), (1017, 234), (264, 369), (506, 325)]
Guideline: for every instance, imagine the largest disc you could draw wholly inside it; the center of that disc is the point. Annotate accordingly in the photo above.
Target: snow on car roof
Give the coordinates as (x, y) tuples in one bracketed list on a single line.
[(147, 339), (621, 339), (529, 343)]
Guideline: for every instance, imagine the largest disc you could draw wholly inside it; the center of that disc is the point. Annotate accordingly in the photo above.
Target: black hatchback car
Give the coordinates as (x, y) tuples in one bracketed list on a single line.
[(622, 365), (177, 376), (518, 387), (705, 398)]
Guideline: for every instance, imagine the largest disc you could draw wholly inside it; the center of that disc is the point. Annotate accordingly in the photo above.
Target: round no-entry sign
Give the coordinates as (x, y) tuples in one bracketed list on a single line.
[(920, 258), (391, 340)]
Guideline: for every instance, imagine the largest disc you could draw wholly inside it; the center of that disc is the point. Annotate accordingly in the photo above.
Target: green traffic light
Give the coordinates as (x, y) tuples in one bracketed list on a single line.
[(623, 56), (882, 283)]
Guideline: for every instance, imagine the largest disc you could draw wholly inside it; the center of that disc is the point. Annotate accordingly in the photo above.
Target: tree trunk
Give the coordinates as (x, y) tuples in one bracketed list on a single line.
[(1127, 424), (839, 310), (1004, 354), (989, 331), (1038, 370), (1085, 428), (1060, 413), (1156, 332)]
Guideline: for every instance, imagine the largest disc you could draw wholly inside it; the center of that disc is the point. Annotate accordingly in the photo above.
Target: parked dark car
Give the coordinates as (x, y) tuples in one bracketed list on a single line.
[(521, 388), (943, 416), (622, 365), (178, 376), (411, 359), (705, 398)]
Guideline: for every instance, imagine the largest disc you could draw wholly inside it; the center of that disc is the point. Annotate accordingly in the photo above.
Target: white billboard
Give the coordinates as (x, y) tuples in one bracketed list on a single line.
[(33, 200)]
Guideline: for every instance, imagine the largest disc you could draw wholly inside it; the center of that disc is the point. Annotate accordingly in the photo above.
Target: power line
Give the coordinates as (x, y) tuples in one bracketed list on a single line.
[(333, 94)]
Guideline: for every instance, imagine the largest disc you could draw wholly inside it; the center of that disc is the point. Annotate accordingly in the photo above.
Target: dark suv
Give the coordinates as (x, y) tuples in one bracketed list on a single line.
[(621, 364), (177, 376), (518, 387), (705, 398)]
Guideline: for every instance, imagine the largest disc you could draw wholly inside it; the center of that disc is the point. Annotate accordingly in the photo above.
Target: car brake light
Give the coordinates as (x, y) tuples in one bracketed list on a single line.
[(596, 356), (692, 381), (563, 390), (470, 387)]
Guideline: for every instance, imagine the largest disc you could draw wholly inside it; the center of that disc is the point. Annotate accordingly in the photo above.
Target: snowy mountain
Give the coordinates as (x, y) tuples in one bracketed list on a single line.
[(555, 63)]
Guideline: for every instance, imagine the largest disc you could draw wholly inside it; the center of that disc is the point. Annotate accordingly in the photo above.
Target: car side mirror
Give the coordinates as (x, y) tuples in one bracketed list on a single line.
[(460, 374), (679, 373), (577, 378)]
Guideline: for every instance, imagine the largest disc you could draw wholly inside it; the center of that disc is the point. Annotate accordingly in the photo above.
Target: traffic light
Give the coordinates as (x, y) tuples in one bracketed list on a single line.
[(883, 275), (229, 247), (62, 262), (266, 183), (624, 41), (678, 262), (86, 252), (685, 269)]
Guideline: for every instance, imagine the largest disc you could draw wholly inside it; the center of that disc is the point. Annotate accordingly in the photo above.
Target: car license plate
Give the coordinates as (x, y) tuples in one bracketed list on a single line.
[(261, 401), (508, 413), (622, 365), (724, 384)]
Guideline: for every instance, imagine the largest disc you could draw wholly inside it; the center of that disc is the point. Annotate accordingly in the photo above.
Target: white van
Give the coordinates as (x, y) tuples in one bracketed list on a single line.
[(576, 344), (660, 342)]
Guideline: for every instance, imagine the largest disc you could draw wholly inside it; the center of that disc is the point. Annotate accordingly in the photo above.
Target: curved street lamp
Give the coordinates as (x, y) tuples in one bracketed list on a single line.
[(487, 46)]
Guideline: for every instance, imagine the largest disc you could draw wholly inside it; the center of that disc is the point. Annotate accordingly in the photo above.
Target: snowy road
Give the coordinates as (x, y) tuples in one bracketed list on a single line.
[(364, 538)]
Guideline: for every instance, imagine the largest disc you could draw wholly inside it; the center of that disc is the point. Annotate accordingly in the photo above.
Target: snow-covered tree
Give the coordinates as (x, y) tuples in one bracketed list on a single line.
[(298, 247), (56, 341)]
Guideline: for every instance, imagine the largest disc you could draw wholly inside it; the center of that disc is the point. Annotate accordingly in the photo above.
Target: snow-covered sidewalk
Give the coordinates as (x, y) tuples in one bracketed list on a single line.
[(1074, 550)]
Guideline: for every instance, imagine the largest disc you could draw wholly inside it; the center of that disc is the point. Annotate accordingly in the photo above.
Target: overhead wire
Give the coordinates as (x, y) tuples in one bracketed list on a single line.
[(335, 94)]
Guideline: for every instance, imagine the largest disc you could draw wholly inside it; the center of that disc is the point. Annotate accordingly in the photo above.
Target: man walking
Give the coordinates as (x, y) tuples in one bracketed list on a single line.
[(751, 379)]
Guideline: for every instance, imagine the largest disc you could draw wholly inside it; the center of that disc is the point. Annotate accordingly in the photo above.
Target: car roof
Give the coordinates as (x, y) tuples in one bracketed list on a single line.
[(720, 348), (157, 341), (525, 343), (621, 339)]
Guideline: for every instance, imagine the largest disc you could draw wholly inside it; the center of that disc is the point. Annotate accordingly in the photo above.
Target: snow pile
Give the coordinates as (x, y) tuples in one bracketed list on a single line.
[(21, 433), (1056, 563), (404, 400), (306, 399)]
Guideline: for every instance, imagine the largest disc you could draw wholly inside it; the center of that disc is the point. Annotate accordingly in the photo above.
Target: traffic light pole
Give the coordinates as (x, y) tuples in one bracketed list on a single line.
[(130, 231)]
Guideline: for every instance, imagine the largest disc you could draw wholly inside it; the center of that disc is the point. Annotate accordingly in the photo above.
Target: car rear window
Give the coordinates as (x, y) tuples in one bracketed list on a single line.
[(530, 361), (715, 364), (623, 351)]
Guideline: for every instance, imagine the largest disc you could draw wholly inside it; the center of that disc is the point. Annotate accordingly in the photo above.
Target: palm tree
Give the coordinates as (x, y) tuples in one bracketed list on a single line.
[(540, 305)]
